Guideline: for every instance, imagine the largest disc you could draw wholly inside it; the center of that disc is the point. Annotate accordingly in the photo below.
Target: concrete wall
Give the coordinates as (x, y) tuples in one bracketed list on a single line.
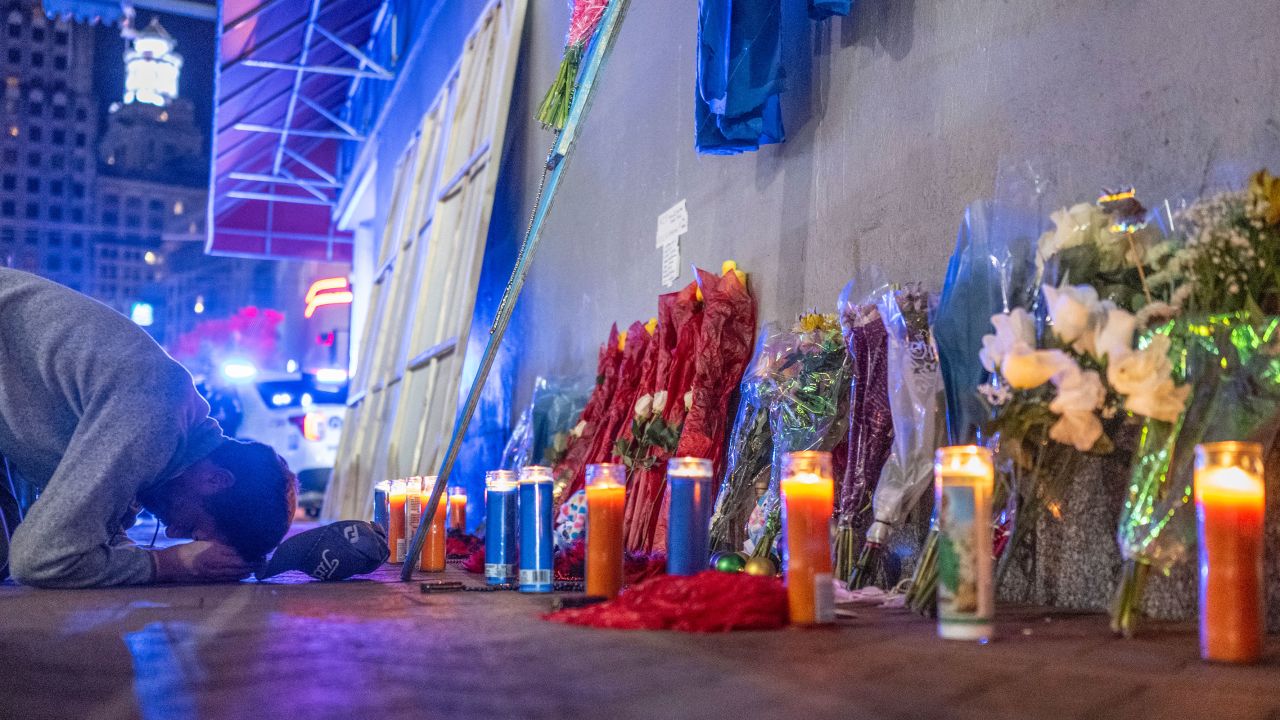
[(897, 117)]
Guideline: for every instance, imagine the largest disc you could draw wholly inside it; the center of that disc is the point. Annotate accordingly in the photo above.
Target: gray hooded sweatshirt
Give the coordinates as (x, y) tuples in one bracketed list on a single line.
[(92, 411)]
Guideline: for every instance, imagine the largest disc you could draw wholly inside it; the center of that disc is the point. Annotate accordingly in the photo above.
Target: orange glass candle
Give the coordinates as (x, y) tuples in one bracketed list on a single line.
[(412, 509), (395, 533), (606, 501), (458, 508), (808, 499), (1230, 509), (434, 549)]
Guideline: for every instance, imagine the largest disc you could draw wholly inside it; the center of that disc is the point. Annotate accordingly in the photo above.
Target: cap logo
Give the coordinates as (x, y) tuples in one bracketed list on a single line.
[(327, 567), (351, 534)]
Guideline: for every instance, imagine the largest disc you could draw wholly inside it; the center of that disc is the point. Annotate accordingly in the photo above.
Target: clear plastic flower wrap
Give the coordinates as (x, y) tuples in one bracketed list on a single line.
[(870, 433), (919, 424), (1231, 360), (541, 432), (750, 449), (519, 446), (807, 395), (991, 270)]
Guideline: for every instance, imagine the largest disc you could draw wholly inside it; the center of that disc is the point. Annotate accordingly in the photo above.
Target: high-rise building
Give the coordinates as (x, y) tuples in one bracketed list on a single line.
[(48, 132), (150, 191), (118, 211)]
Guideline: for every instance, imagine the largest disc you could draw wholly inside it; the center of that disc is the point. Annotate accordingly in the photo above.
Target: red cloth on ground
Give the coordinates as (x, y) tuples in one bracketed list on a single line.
[(707, 602)]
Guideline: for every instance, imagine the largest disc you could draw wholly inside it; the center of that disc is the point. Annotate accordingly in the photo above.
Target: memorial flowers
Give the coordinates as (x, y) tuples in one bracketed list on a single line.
[(1053, 395), (1220, 271), (583, 22), (916, 402), (1104, 244), (1226, 255), (806, 391)]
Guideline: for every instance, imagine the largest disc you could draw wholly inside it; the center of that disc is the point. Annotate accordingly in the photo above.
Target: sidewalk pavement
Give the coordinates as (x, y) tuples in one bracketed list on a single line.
[(380, 649)]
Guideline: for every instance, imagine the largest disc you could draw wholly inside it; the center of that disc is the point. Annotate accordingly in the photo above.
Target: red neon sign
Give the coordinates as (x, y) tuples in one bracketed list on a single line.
[(329, 291)]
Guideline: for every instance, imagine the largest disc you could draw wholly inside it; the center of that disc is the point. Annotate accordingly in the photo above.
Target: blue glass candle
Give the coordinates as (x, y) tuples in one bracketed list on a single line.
[(382, 505), (536, 485), (689, 485), (500, 551)]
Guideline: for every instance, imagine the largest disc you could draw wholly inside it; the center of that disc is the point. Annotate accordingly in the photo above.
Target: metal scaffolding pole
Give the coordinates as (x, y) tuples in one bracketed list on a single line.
[(556, 161)]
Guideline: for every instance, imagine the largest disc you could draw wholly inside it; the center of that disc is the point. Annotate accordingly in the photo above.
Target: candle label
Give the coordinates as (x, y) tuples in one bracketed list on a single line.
[(962, 592), (413, 512), (400, 550), (535, 577), (824, 600), (499, 570)]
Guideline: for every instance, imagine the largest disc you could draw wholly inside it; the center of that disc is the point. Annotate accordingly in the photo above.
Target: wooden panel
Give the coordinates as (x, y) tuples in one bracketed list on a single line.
[(432, 250)]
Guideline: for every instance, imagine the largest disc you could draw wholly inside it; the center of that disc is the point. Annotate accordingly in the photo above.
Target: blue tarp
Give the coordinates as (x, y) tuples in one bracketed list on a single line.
[(739, 76), (823, 9)]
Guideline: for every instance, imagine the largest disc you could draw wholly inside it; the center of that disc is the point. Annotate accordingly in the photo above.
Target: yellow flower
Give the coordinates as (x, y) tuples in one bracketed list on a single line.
[(1264, 194), (622, 342), (652, 326), (730, 265), (814, 322)]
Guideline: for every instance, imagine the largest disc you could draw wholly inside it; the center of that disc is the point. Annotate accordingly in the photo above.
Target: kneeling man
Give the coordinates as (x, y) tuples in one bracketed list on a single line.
[(99, 418)]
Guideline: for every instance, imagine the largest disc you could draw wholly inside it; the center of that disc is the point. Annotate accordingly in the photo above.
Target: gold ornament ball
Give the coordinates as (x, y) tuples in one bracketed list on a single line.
[(761, 567)]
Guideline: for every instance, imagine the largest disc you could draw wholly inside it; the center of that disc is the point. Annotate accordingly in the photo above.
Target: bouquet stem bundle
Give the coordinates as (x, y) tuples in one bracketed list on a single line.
[(922, 595), (1126, 611), (553, 113)]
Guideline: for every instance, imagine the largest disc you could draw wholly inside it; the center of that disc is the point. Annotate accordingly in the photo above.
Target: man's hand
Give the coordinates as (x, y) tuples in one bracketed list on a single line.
[(200, 562)]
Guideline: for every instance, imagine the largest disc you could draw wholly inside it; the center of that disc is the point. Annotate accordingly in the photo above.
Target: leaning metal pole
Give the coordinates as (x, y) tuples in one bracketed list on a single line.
[(610, 22)]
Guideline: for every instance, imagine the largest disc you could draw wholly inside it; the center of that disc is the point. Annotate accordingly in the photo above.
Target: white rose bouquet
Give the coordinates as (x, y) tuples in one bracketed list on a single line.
[(1052, 396)]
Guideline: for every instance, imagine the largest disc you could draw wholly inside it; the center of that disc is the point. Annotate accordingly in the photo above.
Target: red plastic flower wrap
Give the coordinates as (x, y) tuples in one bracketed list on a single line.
[(680, 319), (626, 446), (460, 545), (475, 562), (570, 562), (574, 462), (707, 602), (622, 404), (724, 348)]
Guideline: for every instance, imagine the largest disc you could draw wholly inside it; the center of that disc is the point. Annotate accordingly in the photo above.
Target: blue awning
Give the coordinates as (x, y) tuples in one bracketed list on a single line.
[(285, 71)]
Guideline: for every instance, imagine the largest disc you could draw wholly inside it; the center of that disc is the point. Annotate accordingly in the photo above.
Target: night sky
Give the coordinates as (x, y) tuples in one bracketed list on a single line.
[(196, 43)]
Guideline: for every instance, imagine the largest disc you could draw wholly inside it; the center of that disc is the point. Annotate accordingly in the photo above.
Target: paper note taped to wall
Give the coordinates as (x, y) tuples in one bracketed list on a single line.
[(672, 224), (670, 262)]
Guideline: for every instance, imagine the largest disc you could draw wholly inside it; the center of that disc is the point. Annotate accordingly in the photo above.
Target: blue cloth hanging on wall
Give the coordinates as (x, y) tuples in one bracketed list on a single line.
[(823, 9), (739, 76)]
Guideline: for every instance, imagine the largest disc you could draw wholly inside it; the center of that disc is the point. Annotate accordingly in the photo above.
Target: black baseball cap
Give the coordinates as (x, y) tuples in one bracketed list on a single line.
[(332, 552)]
